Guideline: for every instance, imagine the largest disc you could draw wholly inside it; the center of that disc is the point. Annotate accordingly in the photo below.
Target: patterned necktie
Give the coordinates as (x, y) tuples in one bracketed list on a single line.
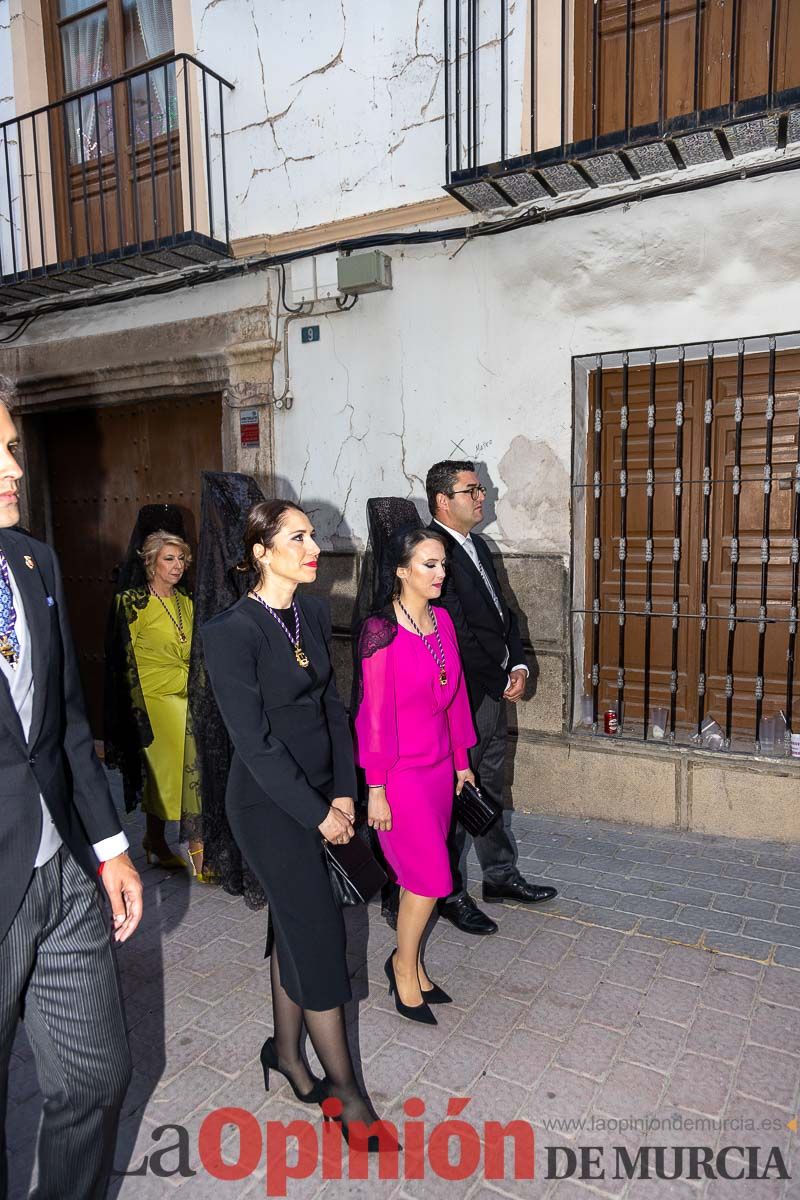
[(472, 550), (9, 642)]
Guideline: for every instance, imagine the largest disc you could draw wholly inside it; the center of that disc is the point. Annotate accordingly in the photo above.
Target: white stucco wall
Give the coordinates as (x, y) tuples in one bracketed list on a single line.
[(474, 346), (6, 112), (337, 108)]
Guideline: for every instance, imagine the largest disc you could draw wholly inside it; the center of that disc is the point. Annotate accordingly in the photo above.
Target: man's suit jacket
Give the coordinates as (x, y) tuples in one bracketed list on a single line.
[(57, 760), (483, 633)]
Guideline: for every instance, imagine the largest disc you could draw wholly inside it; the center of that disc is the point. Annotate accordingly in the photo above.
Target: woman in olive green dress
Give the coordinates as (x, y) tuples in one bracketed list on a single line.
[(154, 624), (162, 640)]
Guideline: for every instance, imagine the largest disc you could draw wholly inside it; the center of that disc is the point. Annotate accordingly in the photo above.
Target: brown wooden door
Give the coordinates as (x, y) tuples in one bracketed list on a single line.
[(103, 465), (644, 45), (121, 189), (637, 645), (115, 150), (751, 511), (745, 646)]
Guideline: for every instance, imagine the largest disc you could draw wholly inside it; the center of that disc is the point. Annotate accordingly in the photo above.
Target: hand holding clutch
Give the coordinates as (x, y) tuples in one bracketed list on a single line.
[(475, 811), (463, 777), (337, 827)]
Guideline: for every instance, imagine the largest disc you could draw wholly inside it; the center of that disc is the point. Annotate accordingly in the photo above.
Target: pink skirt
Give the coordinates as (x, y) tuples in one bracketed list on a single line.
[(421, 800)]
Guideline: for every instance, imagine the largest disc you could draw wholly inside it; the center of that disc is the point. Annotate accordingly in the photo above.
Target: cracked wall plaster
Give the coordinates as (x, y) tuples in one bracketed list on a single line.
[(6, 68), (337, 108), (533, 508)]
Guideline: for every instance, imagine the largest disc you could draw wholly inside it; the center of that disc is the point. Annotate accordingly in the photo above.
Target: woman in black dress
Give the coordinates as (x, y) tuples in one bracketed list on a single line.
[(291, 780)]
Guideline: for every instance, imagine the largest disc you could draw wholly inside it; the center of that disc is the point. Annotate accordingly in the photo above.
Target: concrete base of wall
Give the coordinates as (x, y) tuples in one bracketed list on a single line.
[(664, 788)]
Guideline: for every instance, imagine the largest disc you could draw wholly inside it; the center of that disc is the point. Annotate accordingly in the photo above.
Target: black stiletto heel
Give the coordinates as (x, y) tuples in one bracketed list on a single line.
[(414, 1012), (269, 1059), (373, 1142)]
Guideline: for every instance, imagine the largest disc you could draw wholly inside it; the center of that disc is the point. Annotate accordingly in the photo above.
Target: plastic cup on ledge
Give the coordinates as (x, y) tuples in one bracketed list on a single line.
[(658, 719), (587, 710), (766, 733), (712, 735)]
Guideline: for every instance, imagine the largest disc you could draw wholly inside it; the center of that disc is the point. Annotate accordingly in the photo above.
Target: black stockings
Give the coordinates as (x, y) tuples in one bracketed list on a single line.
[(329, 1039), (287, 1019)]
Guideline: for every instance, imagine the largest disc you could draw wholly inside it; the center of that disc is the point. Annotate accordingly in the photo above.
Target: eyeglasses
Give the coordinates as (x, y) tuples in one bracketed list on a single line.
[(477, 489)]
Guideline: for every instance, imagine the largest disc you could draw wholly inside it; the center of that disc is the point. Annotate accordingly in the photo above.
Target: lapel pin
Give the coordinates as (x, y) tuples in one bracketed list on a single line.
[(29, 563)]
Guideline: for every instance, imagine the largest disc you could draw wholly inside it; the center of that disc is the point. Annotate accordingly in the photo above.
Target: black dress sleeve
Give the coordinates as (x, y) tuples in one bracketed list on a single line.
[(344, 771), (231, 648)]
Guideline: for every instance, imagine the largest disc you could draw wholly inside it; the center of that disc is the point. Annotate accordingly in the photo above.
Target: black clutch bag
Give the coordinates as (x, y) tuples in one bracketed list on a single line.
[(356, 875), (475, 811)]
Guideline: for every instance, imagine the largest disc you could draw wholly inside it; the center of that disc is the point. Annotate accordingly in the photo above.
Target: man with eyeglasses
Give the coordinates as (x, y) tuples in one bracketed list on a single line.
[(496, 672)]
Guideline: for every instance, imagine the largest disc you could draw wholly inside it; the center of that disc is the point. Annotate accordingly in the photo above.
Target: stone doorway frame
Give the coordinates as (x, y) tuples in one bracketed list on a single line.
[(232, 354)]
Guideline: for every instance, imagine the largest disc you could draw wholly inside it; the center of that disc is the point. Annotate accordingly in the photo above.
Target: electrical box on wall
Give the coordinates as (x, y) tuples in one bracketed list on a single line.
[(370, 272), (314, 278)]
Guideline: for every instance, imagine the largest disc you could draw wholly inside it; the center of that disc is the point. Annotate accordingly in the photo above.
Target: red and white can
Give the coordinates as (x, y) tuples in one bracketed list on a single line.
[(610, 721)]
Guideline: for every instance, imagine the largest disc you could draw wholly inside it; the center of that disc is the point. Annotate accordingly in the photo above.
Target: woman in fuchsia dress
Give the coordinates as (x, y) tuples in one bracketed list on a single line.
[(413, 730)]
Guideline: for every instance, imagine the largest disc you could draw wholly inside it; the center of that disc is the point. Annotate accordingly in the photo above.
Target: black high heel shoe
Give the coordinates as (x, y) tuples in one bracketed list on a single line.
[(435, 995), (373, 1142), (269, 1061), (414, 1012)]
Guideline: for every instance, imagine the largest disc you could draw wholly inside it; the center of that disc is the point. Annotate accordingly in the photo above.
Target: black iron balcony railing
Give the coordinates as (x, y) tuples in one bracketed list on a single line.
[(121, 179), (560, 95)]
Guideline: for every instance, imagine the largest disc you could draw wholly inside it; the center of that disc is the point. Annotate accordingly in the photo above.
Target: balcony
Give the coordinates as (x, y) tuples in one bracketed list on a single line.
[(560, 96), (120, 181)]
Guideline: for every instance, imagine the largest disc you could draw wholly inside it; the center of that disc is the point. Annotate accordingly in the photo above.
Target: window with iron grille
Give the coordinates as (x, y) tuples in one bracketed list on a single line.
[(686, 496)]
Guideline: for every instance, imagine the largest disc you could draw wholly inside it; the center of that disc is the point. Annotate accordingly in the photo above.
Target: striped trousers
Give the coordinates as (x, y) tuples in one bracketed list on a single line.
[(57, 972)]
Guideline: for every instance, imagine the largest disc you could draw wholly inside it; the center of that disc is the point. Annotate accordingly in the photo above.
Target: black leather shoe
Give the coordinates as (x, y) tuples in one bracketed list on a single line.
[(464, 913), (519, 890)]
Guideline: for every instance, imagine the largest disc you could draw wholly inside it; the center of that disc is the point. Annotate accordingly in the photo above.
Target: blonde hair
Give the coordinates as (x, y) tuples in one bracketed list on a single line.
[(155, 543)]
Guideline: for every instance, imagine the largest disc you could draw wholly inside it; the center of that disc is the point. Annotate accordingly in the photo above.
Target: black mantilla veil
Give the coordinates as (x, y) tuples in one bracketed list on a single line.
[(226, 499), (127, 730), (389, 518)]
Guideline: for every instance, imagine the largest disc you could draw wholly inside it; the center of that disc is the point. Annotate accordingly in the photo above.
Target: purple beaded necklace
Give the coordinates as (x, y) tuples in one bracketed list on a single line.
[(294, 638)]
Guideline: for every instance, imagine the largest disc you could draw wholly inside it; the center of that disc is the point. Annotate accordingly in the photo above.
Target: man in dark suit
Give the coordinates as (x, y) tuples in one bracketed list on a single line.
[(496, 672), (59, 831)]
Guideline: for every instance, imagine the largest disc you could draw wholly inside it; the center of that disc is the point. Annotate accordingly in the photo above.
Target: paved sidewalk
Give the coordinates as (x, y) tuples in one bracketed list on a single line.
[(664, 983)]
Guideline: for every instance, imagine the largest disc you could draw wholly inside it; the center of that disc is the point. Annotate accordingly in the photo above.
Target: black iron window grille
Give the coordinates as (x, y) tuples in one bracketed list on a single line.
[(131, 167), (686, 543), (555, 96)]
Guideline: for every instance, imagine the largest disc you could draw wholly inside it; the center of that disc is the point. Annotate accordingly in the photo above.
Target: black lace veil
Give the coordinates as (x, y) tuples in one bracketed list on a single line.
[(151, 518), (226, 499), (127, 729), (374, 622)]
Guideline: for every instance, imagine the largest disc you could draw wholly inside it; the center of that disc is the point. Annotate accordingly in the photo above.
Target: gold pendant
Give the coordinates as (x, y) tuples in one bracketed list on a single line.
[(301, 656), (8, 652), (443, 678)]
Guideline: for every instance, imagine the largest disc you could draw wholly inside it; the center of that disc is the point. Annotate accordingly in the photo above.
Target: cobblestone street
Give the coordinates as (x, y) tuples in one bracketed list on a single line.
[(664, 982)]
